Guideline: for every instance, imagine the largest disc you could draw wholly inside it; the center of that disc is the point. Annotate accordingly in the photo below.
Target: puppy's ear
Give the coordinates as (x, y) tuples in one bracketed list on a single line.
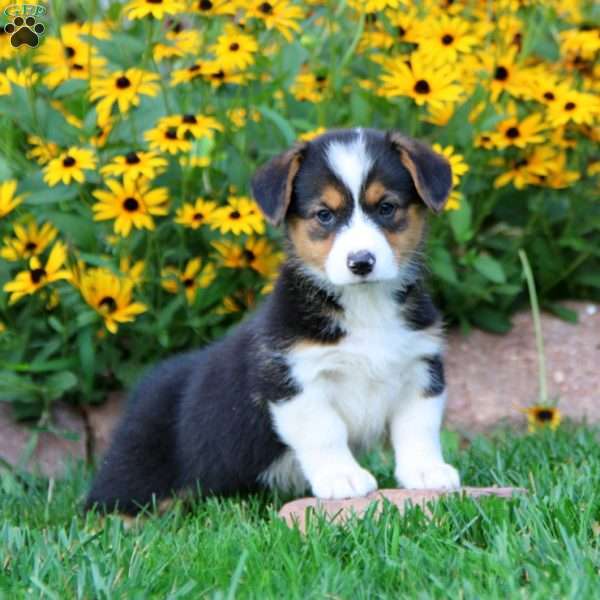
[(430, 172), (272, 183)]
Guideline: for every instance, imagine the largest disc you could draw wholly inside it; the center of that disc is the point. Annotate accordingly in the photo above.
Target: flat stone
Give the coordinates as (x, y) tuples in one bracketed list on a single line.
[(492, 377), (338, 511), (53, 451)]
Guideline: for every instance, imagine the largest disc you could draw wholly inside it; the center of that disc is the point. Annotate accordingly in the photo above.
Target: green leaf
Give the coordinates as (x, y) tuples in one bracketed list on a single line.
[(490, 268), (59, 383), (442, 265), (490, 319), (564, 313), (460, 221), (284, 126)]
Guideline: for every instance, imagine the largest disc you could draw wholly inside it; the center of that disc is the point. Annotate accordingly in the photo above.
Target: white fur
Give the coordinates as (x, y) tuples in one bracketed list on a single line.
[(350, 162), (352, 390)]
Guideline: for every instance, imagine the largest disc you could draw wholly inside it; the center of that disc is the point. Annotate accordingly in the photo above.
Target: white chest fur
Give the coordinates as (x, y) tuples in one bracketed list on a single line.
[(367, 373)]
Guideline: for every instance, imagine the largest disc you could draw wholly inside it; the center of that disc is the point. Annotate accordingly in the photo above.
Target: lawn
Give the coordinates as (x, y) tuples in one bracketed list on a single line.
[(544, 545)]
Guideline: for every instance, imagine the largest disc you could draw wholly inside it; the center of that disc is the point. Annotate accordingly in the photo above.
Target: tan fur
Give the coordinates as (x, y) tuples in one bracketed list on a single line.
[(374, 192), (332, 197), (311, 252), (404, 241)]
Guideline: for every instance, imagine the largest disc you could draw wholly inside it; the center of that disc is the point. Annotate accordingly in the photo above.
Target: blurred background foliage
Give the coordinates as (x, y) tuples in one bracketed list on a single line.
[(129, 134)]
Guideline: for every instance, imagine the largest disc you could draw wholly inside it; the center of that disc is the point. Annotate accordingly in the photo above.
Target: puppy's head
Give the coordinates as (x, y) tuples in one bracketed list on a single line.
[(354, 201)]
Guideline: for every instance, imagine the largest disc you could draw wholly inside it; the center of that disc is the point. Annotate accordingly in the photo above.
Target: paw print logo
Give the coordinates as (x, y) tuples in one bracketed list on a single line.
[(25, 31)]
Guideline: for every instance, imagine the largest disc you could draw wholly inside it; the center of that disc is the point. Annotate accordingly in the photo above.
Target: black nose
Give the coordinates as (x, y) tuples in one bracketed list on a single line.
[(361, 262)]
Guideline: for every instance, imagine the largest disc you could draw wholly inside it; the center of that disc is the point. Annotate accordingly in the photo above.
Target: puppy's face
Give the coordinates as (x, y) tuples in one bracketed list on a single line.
[(354, 202)]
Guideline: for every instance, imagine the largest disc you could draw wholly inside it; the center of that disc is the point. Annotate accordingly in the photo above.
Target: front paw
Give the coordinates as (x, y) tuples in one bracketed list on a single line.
[(348, 481), (435, 476)]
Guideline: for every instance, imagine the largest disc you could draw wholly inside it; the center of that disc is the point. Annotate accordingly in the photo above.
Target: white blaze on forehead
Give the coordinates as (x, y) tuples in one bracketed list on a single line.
[(350, 161)]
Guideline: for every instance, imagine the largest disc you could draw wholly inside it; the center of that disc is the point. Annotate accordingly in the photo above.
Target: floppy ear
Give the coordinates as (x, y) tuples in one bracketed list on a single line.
[(272, 183), (430, 172)]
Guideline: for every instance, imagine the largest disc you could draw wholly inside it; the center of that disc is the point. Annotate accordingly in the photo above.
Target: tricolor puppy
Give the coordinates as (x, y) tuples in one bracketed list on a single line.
[(347, 349)]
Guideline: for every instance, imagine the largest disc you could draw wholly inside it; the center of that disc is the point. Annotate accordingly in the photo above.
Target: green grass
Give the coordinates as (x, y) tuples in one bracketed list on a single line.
[(541, 546)]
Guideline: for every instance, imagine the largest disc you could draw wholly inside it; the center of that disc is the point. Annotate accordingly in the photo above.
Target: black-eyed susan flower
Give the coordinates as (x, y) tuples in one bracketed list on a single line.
[(138, 9), (132, 271), (195, 215), (573, 106), (459, 168), (406, 25), (25, 78), (235, 49), (426, 82), (212, 8), (310, 87), (528, 169), (135, 164), (69, 166), (539, 417), (29, 240), (196, 125), (312, 134), (240, 301), (123, 88), (559, 176), (446, 36), (255, 253), (190, 280), (110, 296), (512, 132), (39, 275), (8, 199), (101, 133), (130, 204), (506, 75), (164, 137), (281, 15), (218, 75), (41, 151), (240, 215), (187, 74), (178, 43)]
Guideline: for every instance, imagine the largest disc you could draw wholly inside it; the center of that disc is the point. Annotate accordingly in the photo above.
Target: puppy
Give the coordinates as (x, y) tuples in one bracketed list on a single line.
[(348, 347)]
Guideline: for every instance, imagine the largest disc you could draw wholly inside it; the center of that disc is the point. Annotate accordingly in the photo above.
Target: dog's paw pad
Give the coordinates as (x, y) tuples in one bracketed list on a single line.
[(343, 483), (437, 476)]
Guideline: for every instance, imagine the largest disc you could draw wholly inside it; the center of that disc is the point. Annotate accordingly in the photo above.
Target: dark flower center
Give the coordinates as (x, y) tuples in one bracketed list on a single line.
[(218, 75), (177, 28), (188, 282), (205, 5), (171, 133), (109, 303), (69, 51), (198, 216), (130, 204), (544, 415), (266, 8), (123, 82), (401, 31), (249, 255), (234, 47), (321, 78), (447, 39), (37, 275), (191, 119), (131, 158), (77, 67), (30, 246), (371, 18), (422, 87), (501, 74), (570, 105), (512, 132), (68, 161), (154, 1), (549, 96), (521, 163), (194, 68), (235, 215)]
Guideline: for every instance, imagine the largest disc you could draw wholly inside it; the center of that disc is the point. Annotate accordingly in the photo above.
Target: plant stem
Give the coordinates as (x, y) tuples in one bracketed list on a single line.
[(539, 338)]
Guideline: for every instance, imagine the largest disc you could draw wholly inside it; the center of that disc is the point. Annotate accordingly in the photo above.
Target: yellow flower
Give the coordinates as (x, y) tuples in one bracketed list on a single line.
[(138, 9), (69, 166), (134, 272), (506, 75), (312, 134), (277, 14), (457, 162), (110, 296), (29, 241), (241, 215), (234, 49), (255, 253), (426, 82), (123, 88), (191, 279), (180, 43), (25, 77), (543, 416), (211, 8), (573, 106), (188, 74), (38, 276), (135, 164), (558, 176), (8, 200), (197, 125), (195, 215), (528, 169), (310, 87), (446, 36), (164, 137), (511, 132), (131, 204)]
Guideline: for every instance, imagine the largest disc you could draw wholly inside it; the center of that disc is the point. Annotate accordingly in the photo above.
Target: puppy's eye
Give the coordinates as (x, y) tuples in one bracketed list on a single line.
[(386, 209), (325, 216)]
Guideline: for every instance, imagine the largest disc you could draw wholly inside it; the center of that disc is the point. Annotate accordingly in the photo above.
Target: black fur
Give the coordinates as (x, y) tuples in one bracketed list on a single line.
[(437, 380)]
